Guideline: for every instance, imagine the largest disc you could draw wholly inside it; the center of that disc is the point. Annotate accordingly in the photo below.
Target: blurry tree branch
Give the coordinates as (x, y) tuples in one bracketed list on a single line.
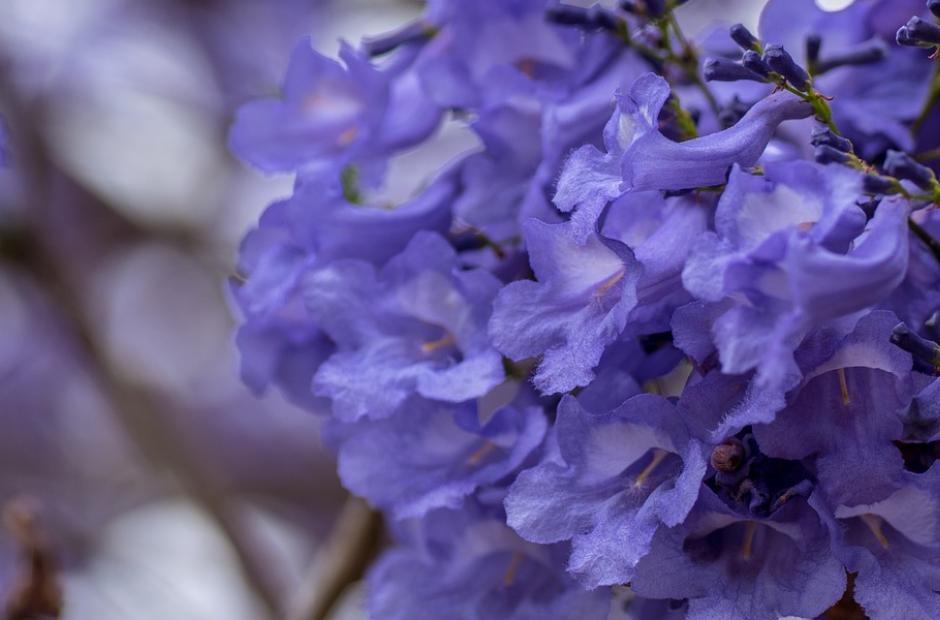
[(349, 549), (68, 228), (136, 410), (36, 592)]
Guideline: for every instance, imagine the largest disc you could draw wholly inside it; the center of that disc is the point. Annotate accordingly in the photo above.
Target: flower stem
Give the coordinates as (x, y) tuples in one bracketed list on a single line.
[(689, 61), (932, 244), (932, 99)]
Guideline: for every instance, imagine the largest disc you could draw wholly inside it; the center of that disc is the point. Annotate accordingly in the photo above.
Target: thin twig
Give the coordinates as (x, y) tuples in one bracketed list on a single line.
[(37, 589), (349, 549), (689, 61), (930, 155), (932, 244), (932, 98)]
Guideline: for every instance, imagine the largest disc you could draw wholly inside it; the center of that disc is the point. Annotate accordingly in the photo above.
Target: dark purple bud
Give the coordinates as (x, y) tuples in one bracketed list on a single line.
[(813, 45), (567, 15), (655, 8), (903, 37), (629, 6), (725, 70), (780, 61), (919, 33), (743, 37), (824, 136), (728, 456), (934, 6), (877, 184), (595, 17), (864, 54), (903, 166), (752, 61), (649, 8), (409, 33), (926, 353), (604, 18), (825, 154)]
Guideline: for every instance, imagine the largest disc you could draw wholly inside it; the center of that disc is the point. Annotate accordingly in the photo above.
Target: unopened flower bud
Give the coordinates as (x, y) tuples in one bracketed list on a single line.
[(918, 32), (743, 37), (780, 61), (724, 70), (903, 166)]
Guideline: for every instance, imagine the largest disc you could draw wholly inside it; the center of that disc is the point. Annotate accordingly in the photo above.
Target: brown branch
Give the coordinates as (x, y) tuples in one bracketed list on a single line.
[(349, 549), (37, 592)]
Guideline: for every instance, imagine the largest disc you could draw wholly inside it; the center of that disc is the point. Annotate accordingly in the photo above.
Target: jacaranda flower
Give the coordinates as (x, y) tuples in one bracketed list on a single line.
[(662, 343)]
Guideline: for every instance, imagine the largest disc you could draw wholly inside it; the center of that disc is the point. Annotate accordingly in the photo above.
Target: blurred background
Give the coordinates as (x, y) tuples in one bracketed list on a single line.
[(138, 478)]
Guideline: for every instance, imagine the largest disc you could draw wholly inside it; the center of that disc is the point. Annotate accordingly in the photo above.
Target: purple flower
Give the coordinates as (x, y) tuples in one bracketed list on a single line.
[(321, 217), (743, 339), (578, 306), (891, 544), (526, 145), (329, 114), (495, 181), (661, 232), (468, 565), (325, 111), (433, 455), (627, 365), (417, 326), (629, 274), (652, 161), (738, 567), (639, 157), (862, 387), (792, 250), (918, 296), (621, 476), (578, 119), (486, 53), (280, 341)]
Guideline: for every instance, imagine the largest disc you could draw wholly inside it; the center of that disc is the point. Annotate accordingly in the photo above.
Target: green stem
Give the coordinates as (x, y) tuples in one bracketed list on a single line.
[(689, 61), (820, 105), (930, 155), (823, 111), (683, 119), (647, 53), (932, 99), (350, 182), (932, 244)]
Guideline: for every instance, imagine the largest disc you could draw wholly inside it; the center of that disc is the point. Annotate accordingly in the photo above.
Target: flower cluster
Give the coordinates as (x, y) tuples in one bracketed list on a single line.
[(671, 325)]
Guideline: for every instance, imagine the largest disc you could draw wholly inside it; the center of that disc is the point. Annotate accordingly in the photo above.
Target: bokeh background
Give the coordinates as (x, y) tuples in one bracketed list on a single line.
[(129, 450)]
